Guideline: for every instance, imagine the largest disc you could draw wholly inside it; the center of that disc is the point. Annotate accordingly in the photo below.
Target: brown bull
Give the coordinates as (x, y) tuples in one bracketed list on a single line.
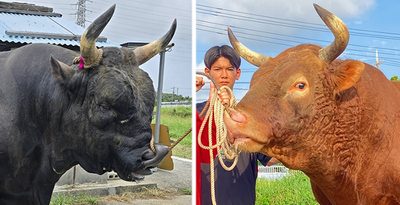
[(338, 121)]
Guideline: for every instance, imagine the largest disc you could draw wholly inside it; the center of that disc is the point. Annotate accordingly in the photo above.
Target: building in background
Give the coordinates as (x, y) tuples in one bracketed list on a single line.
[(23, 23)]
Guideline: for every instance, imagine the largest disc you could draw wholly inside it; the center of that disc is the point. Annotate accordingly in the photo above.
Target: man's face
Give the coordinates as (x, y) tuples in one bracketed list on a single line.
[(223, 72)]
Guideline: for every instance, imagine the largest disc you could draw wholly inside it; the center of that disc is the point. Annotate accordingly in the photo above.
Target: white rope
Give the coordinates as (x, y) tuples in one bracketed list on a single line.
[(224, 149)]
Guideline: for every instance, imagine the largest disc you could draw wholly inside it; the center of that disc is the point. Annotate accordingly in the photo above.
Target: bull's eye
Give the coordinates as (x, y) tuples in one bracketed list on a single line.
[(104, 107), (300, 86)]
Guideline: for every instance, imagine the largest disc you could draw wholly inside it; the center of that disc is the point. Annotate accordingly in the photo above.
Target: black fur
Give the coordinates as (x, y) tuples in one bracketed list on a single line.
[(51, 120)]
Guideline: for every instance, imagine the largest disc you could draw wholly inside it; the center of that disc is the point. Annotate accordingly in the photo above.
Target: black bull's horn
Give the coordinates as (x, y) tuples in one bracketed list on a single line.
[(144, 53), (92, 55), (89, 52), (328, 54)]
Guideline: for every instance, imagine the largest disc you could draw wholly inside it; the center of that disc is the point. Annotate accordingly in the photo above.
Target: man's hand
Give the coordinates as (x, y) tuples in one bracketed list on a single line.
[(224, 96), (199, 82)]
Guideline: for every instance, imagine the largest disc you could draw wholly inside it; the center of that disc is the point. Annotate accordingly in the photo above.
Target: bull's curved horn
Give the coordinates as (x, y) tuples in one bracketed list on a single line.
[(144, 53), (340, 32), (250, 56), (89, 52)]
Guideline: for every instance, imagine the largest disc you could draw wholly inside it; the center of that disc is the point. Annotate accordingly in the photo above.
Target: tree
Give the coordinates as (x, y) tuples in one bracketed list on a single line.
[(394, 78), (169, 97)]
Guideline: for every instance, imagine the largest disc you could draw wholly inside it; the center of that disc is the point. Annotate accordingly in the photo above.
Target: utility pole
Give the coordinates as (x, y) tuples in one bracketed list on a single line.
[(377, 62), (81, 13), (173, 94)]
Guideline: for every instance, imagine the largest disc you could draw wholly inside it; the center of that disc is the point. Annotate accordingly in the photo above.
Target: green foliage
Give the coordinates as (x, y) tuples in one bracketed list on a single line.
[(394, 78), (179, 111), (185, 191), (294, 189), (74, 200), (179, 120), (168, 97)]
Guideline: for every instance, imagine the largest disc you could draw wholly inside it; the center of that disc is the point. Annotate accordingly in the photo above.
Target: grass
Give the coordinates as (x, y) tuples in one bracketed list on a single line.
[(152, 193), (179, 120), (294, 189), (185, 191), (126, 197), (74, 200)]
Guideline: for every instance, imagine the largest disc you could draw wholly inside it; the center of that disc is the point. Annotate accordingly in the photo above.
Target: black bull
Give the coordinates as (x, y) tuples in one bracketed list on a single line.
[(55, 114)]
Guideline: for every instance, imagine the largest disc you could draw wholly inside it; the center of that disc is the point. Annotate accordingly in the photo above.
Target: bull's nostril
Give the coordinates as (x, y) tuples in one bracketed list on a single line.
[(237, 116)]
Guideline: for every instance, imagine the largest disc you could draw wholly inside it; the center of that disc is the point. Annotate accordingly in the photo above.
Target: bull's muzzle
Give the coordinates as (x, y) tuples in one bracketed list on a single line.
[(152, 159)]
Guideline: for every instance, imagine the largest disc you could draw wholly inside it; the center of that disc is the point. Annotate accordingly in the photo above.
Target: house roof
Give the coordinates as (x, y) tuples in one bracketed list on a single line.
[(18, 26)]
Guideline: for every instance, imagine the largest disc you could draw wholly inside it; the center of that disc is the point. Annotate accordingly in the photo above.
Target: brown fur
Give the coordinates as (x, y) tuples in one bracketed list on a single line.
[(343, 132)]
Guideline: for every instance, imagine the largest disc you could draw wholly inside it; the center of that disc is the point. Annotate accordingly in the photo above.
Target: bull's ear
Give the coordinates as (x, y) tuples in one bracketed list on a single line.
[(347, 74), (61, 71)]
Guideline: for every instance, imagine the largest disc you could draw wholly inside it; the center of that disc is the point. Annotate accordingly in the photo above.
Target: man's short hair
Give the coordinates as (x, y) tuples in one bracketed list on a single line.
[(225, 51)]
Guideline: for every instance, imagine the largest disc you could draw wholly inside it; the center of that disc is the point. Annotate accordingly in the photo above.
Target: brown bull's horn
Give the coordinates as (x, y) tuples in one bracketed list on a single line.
[(249, 55), (340, 32), (89, 52), (144, 53)]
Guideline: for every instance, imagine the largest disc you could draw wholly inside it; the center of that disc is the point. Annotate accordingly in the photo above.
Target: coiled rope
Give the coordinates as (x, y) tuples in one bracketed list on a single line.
[(215, 111)]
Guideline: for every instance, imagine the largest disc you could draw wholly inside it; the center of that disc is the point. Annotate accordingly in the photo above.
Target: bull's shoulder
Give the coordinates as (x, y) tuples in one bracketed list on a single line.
[(396, 84), (375, 78)]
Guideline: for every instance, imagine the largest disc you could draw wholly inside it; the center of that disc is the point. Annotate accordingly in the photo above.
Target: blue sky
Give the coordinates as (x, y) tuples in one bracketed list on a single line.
[(143, 21), (252, 22)]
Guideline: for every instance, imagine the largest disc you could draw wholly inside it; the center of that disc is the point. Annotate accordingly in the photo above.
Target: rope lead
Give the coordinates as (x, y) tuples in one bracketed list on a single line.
[(224, 148)]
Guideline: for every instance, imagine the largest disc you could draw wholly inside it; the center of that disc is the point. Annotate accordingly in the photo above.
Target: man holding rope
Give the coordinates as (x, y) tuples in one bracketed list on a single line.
[(238, 185)]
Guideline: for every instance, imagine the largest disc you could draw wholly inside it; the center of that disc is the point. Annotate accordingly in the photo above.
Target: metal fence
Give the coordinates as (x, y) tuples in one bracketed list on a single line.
[(273, 172)]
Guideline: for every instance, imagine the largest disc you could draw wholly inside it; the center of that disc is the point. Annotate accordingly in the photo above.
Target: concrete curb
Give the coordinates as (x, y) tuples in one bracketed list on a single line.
[(181, 159), (115, 187)]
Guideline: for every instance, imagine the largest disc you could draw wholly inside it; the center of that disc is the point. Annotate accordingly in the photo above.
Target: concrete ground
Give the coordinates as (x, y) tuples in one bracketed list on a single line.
[(176, 200), (177, 180)]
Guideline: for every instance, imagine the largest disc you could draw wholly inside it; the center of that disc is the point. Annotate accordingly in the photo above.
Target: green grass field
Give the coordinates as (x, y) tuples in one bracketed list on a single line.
[(179, 120), (294, 189)]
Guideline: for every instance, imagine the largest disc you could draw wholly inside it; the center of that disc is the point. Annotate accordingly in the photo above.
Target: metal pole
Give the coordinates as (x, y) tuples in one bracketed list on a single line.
[(74, 176), (159, 96)]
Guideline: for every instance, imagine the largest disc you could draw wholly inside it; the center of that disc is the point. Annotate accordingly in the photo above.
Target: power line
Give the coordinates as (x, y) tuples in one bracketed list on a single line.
[(292, 25), (287, 40), (277, 19), (224, 34), (284, 44), (290, 36), (50, 18), (151, 4), (147, 10)]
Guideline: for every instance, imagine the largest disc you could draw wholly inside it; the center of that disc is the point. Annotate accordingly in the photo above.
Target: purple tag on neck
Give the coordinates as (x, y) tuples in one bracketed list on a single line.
[(81, 63)]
